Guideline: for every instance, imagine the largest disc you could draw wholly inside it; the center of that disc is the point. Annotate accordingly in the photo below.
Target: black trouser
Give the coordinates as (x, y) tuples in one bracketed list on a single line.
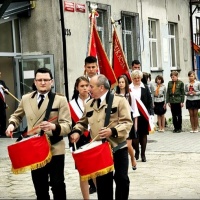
[(55, 171), (105, 183), (2, 118), (176, 111)]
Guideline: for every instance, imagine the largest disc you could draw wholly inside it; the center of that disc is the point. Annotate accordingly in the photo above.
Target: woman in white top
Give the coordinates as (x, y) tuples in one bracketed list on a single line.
[(159, 100), (123, 89), (192, 91), (79, 98)]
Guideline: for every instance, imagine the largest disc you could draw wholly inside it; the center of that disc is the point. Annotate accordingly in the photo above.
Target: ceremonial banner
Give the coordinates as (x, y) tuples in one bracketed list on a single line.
[(104, 64), (96, 49), (120, 65)]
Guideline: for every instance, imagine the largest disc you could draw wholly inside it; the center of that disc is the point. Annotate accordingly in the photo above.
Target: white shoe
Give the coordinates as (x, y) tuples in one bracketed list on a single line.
[(191, 131), (196, 131)]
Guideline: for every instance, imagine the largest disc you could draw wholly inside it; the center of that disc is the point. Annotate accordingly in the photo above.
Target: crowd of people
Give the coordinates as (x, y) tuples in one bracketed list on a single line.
[(84, 118)]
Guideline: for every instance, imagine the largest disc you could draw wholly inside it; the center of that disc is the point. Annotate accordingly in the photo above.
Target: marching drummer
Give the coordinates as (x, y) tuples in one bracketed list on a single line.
[(34, 106), (116, 134)]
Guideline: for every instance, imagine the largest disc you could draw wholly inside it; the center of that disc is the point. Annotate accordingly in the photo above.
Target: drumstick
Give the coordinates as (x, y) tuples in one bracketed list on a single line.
[(98, 135), (75, 146), (11, 95), (35, 128)]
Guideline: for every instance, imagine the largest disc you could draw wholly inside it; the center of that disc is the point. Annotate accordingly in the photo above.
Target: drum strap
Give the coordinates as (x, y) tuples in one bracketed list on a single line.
[(48, 110), (108, 110), (110, 100)]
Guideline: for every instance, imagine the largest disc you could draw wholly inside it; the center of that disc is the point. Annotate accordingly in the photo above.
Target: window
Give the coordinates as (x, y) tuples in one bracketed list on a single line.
[(130, 36), (197, 34), (153, 43), (172, 45)]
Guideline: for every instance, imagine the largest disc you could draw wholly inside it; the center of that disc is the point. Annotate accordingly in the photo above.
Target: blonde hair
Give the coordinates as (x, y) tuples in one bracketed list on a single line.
[(136, 73)]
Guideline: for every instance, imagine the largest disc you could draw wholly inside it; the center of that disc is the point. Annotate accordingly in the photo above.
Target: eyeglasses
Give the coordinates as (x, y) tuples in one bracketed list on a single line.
[(45, 80)]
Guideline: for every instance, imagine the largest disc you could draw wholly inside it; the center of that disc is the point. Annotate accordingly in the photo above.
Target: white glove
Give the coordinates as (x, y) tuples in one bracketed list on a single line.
[(5, 90), (1, 86)]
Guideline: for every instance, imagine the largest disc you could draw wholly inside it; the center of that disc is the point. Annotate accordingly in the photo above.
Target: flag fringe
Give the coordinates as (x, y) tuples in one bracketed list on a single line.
[(97, 173)]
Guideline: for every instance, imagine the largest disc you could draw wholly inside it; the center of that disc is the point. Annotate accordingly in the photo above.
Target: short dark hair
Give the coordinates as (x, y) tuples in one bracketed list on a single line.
[(90, 59), (44, 70), (137, 62), (160, 78)]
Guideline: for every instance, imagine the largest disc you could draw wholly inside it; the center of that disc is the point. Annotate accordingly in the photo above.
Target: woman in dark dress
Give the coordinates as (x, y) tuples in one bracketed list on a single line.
[(141, 92)]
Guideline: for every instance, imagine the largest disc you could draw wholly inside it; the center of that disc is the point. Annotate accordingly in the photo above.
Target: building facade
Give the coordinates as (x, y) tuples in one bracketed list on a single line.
[(156, 32)]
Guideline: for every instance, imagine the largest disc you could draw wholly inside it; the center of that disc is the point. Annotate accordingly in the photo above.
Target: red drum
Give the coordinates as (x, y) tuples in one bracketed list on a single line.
[(30, 153), (94, 159)]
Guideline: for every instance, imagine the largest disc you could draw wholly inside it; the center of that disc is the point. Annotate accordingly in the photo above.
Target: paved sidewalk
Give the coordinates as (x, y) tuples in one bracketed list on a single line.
[(171, 171)]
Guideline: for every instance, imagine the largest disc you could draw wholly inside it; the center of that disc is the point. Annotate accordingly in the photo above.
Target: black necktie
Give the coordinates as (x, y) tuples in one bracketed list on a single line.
[(98, 103), (41, 100)]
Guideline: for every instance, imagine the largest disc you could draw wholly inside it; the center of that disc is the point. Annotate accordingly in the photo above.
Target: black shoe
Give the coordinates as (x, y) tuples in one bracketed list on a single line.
[(175, 131), (179, 131), (136, 155), (144, 159), (92, 190)]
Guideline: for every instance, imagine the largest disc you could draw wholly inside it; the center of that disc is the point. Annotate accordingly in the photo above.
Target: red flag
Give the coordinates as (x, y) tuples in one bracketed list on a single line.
[(120, 65), (104, 64)]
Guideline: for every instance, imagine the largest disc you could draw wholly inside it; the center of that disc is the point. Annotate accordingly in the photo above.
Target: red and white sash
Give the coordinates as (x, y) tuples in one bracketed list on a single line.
[(145, 113), (76, 113)]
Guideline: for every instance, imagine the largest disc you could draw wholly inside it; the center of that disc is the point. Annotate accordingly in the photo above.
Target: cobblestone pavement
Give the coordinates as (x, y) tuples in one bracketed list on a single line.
[(171, 171)]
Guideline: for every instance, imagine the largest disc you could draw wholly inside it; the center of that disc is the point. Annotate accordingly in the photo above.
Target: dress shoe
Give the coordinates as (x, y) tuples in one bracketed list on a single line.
[(179, 131), (134, 167), (175, 131), (92, 190), (144, 159), (136, 155)]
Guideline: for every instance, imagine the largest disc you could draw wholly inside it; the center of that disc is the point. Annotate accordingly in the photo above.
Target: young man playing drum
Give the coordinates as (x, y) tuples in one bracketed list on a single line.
[(116, 134), (34, 105)]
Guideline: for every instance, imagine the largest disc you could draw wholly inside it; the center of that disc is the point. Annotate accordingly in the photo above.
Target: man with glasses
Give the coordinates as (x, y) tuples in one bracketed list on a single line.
[(34, 105)]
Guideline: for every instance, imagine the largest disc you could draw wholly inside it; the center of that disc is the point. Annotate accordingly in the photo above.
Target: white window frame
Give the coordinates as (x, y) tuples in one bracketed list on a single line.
[(172, 38), (153, 40)]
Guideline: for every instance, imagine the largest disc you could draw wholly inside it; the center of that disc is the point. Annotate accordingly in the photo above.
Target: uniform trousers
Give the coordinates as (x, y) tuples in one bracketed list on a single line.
[(2, 117), (176, 111), (55, 171), (105, 183)]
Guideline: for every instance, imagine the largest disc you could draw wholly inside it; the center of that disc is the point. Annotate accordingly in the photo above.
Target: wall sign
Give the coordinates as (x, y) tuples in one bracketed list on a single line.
[(80, 7), (69, 6)]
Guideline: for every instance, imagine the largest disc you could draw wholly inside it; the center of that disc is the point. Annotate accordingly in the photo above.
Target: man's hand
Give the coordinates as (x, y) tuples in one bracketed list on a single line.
[(47, 126), (74, 137), (10, 130), (105, 133)]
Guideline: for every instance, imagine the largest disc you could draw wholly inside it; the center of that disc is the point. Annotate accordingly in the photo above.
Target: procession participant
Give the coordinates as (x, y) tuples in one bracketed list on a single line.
[(33, 105), (79, 99), (94, 115), (192, 92), (91, 69), (123, 89), (141, 93), (3, 106), (159, 100), (175, 99)]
